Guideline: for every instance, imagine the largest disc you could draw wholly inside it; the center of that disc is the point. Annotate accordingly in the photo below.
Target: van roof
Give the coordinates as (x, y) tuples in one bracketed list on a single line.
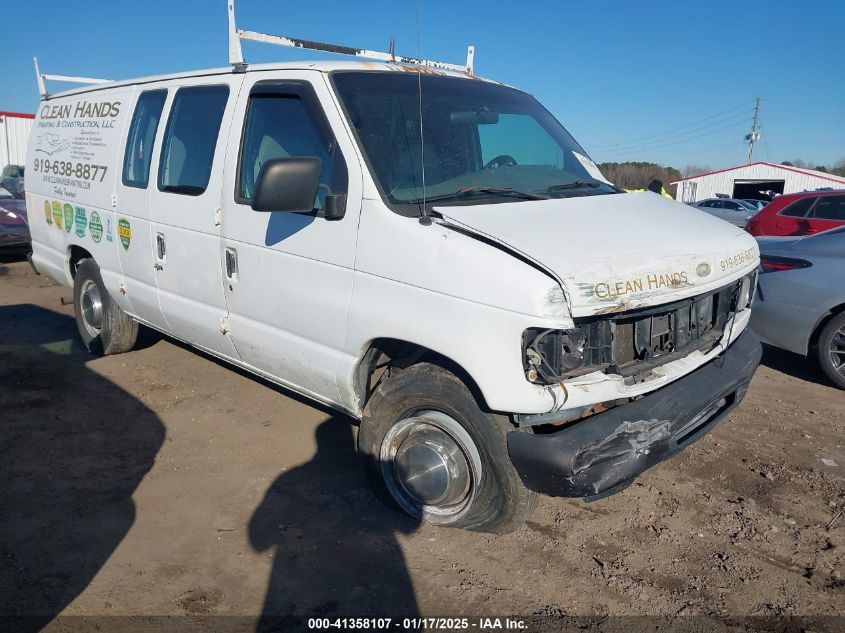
[(324, 67)]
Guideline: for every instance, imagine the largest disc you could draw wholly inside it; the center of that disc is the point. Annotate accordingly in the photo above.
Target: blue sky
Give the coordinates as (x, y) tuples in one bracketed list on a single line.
[(670, 82)]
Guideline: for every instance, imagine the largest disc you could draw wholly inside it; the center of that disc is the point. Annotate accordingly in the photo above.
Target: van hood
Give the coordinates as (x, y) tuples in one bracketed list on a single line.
[(616, 252)]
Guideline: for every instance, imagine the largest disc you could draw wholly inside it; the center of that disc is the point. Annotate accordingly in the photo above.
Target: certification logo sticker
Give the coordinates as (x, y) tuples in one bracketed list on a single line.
[(68, 209), (109, 231), (57, 214), (48, 212), (124, 232), (81, 221), (95, 227)]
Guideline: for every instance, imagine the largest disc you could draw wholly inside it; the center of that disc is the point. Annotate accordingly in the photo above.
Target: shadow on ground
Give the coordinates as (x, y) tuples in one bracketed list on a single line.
[(335, 545), (794, 365), (73, 448)]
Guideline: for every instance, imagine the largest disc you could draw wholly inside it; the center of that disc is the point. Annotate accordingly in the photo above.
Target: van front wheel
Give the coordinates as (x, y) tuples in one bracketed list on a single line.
[(104, 328), (438, 456)]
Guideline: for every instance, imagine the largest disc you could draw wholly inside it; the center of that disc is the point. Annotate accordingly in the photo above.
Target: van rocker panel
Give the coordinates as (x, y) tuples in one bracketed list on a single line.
[(602, 454)]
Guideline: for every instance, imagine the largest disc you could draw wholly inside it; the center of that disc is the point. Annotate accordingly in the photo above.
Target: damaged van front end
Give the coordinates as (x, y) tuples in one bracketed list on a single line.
[(655, 350), (600, 455)]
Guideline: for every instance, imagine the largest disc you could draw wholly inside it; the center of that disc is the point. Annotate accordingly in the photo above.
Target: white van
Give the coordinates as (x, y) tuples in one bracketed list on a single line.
[(429, 252)]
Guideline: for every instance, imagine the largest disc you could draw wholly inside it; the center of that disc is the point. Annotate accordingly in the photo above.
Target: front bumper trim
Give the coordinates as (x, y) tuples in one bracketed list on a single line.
[(603, 453)]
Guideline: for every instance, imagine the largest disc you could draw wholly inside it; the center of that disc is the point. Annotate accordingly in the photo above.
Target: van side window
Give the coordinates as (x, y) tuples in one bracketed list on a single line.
[(142, 134), (282, 126), (190, 139)]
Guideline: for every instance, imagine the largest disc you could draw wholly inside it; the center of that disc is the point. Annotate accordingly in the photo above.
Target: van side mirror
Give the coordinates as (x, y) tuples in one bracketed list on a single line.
[(288, 184)]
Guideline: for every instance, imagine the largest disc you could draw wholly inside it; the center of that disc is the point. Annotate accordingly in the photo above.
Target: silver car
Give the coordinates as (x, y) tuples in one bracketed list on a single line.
[(800, 304), (731, 210)]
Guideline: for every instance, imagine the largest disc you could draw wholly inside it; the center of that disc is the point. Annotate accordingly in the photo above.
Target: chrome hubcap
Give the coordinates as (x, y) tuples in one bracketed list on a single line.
[(431, 466), (92, 307), (837, 350)]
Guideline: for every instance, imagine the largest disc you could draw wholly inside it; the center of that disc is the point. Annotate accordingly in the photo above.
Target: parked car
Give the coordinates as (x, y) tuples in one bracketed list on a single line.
[(804, 213), (12, 179), (800, 304), (295, 220), (14, 228), (757, 204), (732, 210)]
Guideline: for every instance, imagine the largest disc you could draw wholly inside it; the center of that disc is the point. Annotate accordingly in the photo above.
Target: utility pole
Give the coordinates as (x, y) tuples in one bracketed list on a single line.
[(754, 135)]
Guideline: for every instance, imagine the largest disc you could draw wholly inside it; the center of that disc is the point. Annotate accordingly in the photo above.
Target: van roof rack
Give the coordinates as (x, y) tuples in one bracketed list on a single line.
[(236, 57), (41, 78)]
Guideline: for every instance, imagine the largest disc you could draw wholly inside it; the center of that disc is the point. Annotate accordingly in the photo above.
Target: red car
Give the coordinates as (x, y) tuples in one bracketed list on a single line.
[(802, 213), (14, 228)]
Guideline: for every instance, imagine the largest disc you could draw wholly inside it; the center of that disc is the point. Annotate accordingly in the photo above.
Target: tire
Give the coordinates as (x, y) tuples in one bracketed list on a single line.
[(105, 329), (831, 350), (424, 416)]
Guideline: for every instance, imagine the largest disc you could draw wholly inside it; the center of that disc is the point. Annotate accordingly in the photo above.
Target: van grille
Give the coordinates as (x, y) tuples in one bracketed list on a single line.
[(631, 343)]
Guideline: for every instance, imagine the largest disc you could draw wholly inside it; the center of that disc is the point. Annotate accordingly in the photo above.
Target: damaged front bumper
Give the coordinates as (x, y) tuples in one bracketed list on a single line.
[(602, 454)]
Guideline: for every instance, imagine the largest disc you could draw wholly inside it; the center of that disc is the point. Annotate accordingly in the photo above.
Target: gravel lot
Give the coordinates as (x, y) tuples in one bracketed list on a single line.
[(162, 482)]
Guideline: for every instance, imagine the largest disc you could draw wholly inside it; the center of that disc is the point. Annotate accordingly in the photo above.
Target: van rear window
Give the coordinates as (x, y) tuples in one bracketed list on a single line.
[(142, 133), (190, 139)]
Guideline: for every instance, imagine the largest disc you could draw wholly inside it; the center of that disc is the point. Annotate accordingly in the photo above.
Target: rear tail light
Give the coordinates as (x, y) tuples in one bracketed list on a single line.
[(752, 225), (773, 263)]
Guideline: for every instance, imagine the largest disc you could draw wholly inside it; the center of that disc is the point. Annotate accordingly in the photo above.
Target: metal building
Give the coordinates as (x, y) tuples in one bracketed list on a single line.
[(14, 132), (748, 181)]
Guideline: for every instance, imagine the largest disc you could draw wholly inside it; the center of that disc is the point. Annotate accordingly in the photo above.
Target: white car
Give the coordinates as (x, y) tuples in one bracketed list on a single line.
[(732, 210), (501, 319)]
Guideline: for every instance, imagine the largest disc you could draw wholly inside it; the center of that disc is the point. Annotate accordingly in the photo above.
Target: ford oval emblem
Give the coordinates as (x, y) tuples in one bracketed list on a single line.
[(703, 269)]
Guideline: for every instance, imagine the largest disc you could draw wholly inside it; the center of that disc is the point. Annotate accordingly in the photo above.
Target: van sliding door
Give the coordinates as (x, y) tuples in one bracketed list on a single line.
[(130, 226), (184, 212)]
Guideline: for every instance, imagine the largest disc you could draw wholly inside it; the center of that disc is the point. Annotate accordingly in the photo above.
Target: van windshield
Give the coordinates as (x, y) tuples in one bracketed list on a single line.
[(476, 142)]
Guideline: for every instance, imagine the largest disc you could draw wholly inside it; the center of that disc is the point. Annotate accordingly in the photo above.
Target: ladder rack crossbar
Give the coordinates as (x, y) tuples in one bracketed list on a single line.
[(236, 58), (42, 78)]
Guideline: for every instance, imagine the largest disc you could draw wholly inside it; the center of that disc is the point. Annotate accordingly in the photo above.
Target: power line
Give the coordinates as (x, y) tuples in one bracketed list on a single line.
[(742, 118), (685, 152), (685, 140), (670, 131)]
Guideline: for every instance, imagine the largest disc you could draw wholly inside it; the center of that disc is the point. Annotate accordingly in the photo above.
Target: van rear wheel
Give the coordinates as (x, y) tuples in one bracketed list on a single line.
[(104, 328), (436, 455)]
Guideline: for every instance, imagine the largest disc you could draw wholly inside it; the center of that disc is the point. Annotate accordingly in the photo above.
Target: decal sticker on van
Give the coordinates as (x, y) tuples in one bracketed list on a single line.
[(81, 221), (48, 212), (68, 217), (124, 231), (95, 227), (57, 214), (109, 232)]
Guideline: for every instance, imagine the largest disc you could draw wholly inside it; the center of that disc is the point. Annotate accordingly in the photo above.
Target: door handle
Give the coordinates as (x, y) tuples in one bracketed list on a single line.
[(231, 263), (161, 249)]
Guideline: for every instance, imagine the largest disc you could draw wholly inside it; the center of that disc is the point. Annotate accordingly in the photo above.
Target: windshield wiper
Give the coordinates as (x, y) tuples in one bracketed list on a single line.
[(578, 184), (501, 191), (467, 192)]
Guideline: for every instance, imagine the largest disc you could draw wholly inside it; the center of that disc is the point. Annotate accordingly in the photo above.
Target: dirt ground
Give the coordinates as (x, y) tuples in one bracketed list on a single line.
[(162, 482)]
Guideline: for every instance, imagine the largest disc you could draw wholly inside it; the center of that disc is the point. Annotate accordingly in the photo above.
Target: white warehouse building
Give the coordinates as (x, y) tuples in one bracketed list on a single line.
[(748, 181), (14, 133)]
